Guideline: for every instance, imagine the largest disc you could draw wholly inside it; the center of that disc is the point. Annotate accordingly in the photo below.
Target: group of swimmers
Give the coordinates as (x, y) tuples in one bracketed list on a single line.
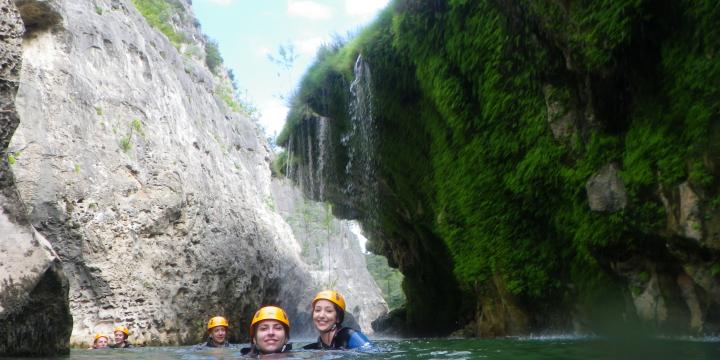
[(270, 329)]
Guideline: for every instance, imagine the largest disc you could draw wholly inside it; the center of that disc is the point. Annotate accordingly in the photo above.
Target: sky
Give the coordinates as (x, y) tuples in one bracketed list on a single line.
[(248, 30)]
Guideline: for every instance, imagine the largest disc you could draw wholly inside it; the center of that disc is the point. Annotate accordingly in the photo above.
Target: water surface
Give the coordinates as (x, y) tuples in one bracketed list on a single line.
[(568, 348)]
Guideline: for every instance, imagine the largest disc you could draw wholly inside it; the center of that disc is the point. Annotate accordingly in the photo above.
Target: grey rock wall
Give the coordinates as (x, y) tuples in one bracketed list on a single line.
[(332, 251), (34, 314), (152, 192)]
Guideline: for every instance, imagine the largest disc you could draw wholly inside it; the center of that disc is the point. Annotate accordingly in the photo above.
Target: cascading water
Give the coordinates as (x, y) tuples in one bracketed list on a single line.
[(288, 167), (322, 135), (310, 170), (361, 142)]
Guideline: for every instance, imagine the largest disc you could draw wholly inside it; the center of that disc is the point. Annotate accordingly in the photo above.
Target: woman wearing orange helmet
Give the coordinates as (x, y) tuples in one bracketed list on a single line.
[(328, 313), (217, 332), (100, 341), (269, 332), (121, 334)]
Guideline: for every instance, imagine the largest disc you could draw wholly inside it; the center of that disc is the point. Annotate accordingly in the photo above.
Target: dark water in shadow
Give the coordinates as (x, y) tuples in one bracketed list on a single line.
[(569, 348)]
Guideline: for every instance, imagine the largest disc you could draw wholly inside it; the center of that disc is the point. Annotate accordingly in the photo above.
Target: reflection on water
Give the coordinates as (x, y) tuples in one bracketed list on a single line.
[(529, 348)]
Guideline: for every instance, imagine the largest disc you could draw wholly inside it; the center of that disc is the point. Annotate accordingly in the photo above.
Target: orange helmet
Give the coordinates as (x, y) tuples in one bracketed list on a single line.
[(270, 313), (122, 329), (332, 296), (217, 321), (98, 335), (335, 298)]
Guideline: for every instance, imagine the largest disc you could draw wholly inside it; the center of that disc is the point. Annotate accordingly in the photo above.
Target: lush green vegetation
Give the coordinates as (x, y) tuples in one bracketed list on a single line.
[(461, 91), (213, 59), (158, 14), (389, 280)]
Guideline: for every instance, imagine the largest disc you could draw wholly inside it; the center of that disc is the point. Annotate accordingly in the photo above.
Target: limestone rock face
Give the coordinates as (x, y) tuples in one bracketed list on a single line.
[(331, 249), (606, 191), (152, 192), (34, 314)]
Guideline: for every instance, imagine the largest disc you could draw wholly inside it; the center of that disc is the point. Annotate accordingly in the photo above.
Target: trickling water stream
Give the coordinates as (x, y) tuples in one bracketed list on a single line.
[(569, 348), (323, 137), (362, 141)]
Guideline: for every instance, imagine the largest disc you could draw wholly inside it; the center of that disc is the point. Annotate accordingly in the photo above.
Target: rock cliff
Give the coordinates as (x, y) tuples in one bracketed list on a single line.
[(332, 251), (154, 194), (533, 165), (34, 314)]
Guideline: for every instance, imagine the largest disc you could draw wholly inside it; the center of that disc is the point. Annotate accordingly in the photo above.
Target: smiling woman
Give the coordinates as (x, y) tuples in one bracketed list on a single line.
[(328, 313), (269, 332)]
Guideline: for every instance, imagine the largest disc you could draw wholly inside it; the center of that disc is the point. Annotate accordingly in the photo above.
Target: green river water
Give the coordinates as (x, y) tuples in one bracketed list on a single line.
[(569, 348)]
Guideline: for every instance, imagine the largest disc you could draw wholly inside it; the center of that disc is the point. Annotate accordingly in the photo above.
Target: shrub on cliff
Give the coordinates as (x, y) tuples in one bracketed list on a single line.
[(158, 14)]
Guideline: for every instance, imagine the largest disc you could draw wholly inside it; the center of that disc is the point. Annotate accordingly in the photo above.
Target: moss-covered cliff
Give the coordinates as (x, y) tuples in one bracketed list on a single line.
[(538, 164)]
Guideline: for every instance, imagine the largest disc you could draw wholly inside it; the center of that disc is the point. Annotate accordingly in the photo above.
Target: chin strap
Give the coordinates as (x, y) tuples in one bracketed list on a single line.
[(330, 329)]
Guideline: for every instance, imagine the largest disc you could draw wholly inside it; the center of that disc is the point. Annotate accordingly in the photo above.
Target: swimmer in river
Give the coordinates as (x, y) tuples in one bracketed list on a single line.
[(100, 341), (328, 313), (121, 334), (269, 332), (217, 332)]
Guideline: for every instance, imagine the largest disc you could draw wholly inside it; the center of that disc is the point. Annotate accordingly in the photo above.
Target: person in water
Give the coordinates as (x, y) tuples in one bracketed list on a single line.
[(328, 313), (121, 334), (217, 332), (269, 332), (100, 341)]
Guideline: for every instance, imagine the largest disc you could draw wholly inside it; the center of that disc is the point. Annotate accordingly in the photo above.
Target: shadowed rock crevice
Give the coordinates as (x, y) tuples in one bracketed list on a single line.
[(41, 324), (38, 15)]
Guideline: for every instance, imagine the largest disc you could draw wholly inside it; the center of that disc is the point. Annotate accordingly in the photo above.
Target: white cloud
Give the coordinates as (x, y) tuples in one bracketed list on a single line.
[(308, 9), (364, 7), (309, 46), (273, 115), (222, 2)]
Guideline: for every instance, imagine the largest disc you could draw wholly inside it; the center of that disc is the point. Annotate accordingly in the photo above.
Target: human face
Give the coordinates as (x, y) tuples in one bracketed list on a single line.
[(119, 337), (218, 334), (270, 336), (101, 343), (324, 315)]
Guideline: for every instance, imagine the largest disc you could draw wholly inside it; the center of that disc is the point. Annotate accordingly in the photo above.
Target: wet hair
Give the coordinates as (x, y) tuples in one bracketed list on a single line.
[(340, 314)]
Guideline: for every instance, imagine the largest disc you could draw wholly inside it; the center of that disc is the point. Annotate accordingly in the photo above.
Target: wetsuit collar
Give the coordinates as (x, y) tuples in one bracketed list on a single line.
[(332, 329)]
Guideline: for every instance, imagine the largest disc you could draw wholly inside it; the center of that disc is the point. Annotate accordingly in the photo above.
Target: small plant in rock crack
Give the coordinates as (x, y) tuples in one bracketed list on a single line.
[(126, 141)]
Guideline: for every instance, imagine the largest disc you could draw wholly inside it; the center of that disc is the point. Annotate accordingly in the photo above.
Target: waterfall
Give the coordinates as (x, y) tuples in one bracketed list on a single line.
[(362, 142), (310, 171), (288, 166), (322, 135)]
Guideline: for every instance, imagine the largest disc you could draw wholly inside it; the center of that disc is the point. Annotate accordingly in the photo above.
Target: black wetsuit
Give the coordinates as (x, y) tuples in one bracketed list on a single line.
[(117, 346), (210, 343), (344, 339), (253, 351)]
